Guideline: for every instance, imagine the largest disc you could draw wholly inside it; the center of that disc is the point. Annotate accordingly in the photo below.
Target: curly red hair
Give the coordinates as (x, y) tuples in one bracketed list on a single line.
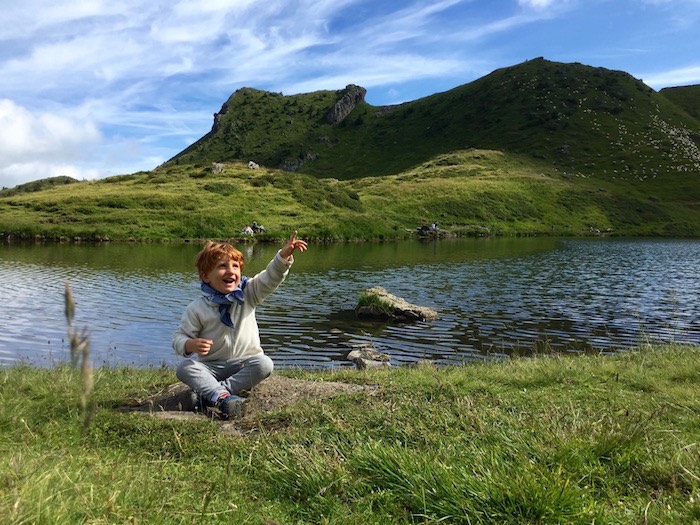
[(212, 253)]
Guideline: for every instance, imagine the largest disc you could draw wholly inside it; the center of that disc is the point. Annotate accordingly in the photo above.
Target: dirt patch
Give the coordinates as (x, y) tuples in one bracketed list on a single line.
[(275, 393)]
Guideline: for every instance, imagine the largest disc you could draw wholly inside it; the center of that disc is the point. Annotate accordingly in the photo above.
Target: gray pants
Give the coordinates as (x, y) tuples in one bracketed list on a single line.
[(212, 378)]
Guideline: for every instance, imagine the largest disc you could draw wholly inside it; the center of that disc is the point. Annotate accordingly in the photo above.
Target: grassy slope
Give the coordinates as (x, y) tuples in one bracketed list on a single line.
[(38, 185), (467, 192), (685, 97), (586, 439)]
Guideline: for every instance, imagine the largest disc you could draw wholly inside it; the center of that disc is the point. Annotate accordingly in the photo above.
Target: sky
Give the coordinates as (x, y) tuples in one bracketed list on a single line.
[(94, 88)]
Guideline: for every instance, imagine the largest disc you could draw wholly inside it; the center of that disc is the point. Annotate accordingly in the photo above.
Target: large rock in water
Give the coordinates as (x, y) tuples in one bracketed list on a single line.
[(384, 305)]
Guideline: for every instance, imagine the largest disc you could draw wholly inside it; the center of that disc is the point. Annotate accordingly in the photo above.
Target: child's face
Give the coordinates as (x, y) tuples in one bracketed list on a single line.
[(225, 275)]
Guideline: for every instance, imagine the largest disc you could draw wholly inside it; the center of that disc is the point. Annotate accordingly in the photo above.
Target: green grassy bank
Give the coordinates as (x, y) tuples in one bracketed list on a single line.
[(469, 192), (583, 439)]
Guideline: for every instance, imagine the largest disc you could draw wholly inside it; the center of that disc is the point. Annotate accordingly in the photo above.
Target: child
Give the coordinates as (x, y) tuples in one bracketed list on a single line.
[(218, 334)]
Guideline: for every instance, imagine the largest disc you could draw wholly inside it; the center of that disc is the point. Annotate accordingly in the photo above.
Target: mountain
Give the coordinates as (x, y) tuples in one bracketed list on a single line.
[(581, 119)]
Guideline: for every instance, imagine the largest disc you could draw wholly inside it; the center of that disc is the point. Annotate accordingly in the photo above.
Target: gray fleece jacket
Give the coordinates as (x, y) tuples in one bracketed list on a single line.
[(201, 318)]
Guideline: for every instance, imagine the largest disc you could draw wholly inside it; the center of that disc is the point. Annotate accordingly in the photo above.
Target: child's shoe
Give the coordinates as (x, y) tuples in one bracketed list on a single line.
[(198, 403), (231, 406)]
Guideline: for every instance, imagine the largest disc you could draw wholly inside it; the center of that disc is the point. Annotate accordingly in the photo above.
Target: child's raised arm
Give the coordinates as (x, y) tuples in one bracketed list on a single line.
[(293, 244)]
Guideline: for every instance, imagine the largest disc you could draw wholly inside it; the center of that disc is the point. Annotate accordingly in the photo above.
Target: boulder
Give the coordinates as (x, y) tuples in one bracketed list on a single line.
[(377, 303), (365, 356)]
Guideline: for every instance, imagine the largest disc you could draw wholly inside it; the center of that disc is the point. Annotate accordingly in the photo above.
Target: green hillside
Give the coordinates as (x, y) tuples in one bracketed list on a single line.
[(469, 192), (598, 122), (685, 97), (38, 185), (537, 148)]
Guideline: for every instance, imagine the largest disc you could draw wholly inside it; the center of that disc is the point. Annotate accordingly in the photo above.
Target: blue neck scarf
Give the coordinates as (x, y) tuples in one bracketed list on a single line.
[(225, 300)]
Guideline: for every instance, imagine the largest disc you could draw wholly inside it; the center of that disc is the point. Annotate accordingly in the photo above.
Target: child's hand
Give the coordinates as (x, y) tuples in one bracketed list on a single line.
[(198, 346), (293, 244)]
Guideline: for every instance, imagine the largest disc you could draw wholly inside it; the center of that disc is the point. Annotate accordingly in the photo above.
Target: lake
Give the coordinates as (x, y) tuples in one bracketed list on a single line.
[(494, 297)]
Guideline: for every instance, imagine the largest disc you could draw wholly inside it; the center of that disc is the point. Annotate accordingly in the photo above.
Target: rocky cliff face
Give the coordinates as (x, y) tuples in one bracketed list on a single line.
[(350, 97), (218, 116)]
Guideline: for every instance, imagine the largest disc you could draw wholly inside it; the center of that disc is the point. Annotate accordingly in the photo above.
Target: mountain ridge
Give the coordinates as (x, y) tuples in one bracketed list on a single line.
[(586, 119)]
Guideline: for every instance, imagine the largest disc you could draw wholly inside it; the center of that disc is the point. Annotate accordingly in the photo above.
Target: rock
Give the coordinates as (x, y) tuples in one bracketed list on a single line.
[(388, 306), (352, 95), (366, 356), (426, 232), (275, 393), (219, 116), (176, 397), (365, 364)]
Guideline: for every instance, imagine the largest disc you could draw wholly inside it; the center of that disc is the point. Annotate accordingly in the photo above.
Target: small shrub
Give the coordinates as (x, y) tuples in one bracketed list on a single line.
[(221, 188)]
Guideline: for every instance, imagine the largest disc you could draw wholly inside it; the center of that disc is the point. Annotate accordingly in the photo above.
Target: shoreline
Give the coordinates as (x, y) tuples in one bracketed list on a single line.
[(19, 239)]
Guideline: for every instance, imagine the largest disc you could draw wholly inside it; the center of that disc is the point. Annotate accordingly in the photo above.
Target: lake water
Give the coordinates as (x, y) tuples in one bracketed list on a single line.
[(494, 297)]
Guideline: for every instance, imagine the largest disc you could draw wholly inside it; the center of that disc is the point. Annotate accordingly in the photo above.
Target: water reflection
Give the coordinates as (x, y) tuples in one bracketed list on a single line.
[(494, 297)]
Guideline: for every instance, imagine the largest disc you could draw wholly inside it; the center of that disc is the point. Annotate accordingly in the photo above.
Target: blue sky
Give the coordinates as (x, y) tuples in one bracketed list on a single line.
[(92, 88)]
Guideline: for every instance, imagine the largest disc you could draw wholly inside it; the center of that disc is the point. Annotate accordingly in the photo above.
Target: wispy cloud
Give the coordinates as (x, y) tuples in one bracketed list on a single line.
[(675, 77), (537, 4)]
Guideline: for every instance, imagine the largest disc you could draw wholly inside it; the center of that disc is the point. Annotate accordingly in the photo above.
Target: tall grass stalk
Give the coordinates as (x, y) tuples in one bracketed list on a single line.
[(80, 355)]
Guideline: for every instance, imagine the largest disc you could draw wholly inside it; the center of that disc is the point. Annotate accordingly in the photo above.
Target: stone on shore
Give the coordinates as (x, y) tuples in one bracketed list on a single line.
[(365, 356)]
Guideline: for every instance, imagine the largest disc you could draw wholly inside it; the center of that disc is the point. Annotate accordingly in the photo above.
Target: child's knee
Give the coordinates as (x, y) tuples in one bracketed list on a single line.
[(180, 371), (185, 370), (261, 366), (265, 366)]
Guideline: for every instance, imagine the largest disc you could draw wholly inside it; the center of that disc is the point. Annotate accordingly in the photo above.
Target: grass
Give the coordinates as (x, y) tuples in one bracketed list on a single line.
[(553, 439), (469, 192), (367, 299), (685, 97)]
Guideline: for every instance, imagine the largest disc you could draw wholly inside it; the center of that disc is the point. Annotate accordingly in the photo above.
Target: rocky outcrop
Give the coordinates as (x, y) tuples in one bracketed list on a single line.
[(275, 393), (351, 96), (218, 116), (377, 303)]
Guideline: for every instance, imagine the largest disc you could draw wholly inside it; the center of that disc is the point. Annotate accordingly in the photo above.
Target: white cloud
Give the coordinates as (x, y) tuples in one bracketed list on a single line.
[(48, 135), (674, 77), (34, 146), (375, 71)]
